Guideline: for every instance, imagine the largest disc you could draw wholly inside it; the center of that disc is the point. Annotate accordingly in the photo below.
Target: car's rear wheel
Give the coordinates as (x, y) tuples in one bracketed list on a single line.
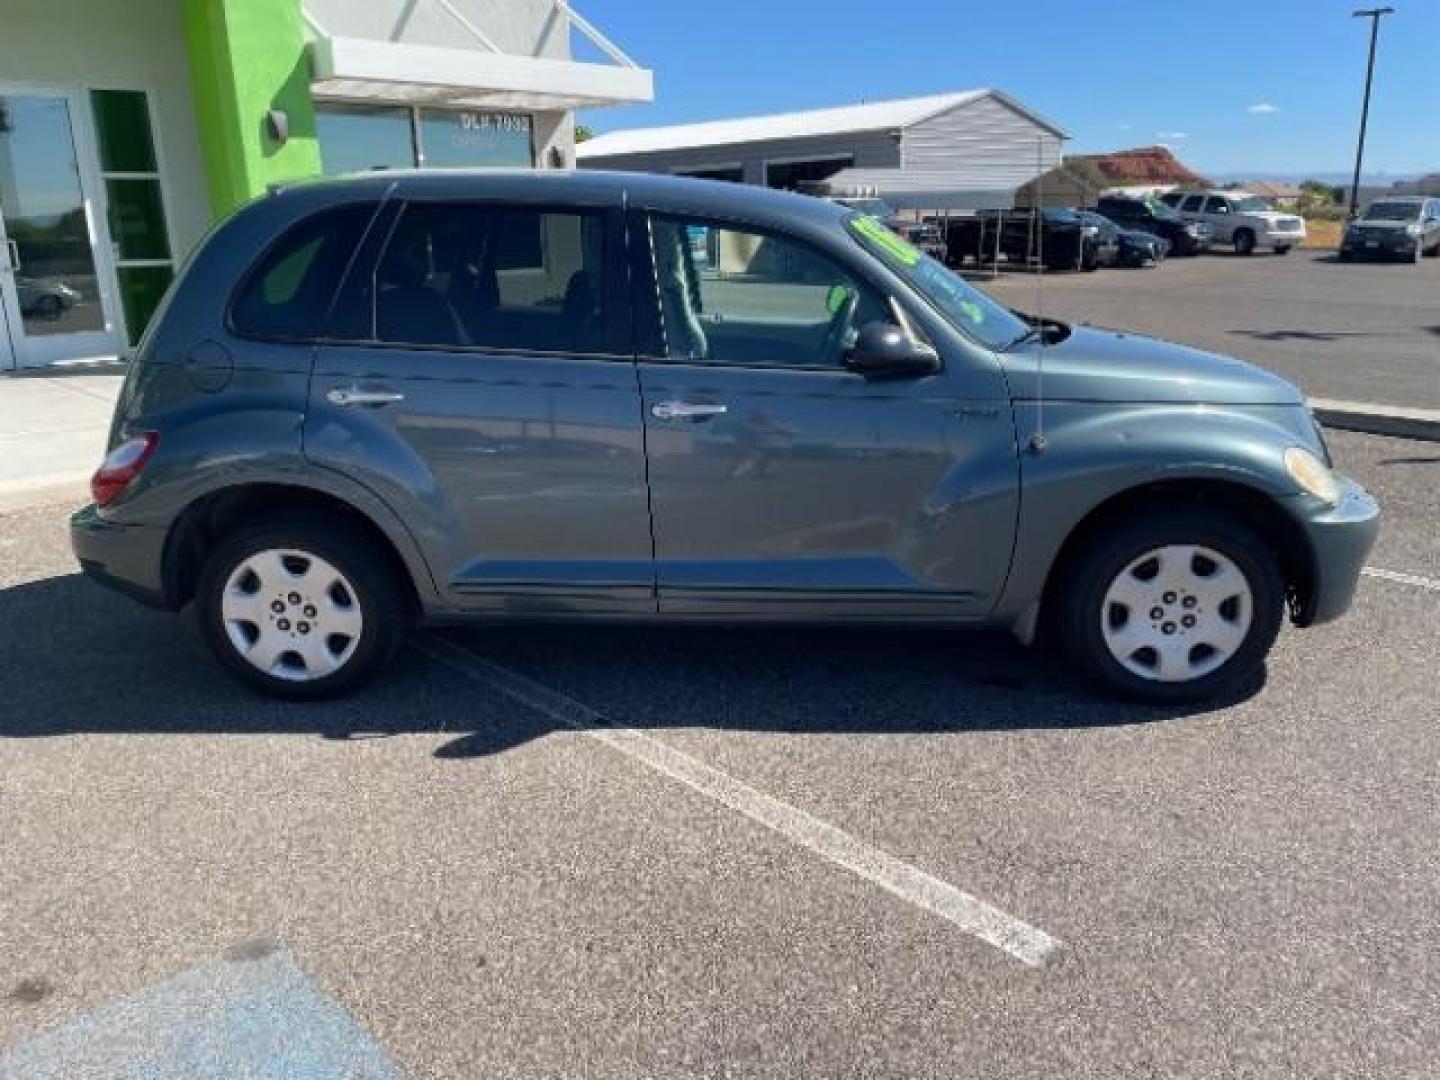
[(300, 608), (1175, 608), (1244, 241), (1283, 249)]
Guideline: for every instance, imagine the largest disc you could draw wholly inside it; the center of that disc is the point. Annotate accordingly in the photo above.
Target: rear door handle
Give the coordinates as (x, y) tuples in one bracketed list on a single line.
[(353, 395), (685, 410)]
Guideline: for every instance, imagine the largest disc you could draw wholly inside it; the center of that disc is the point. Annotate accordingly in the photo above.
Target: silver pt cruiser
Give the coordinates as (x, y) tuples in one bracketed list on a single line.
[(452, 396)]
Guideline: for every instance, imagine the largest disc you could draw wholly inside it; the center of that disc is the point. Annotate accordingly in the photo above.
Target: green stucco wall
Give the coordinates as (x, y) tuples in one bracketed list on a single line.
[(246, 58)]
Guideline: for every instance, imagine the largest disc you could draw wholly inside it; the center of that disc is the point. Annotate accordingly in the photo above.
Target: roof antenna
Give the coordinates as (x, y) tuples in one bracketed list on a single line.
[(1037, 440)]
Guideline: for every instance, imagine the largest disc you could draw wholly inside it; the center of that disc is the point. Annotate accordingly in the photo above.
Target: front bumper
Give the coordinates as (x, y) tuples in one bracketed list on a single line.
[(1340, 538), (1382, 247), (1281, 239), (127, 558)]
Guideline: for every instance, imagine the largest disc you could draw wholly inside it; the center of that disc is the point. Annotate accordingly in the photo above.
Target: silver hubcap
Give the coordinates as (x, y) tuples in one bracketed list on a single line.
[(291, 614), (1177, 613)]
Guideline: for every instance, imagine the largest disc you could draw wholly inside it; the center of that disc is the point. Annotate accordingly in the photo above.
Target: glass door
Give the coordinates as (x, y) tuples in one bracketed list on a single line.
[(54, 298)]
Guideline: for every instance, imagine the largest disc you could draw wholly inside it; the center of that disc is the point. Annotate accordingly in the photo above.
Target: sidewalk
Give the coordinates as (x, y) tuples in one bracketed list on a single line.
[(53, 425)]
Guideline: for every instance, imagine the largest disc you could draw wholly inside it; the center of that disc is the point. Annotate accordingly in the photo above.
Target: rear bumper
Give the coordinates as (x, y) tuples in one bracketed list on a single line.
[(1340, 540), (126, 558)]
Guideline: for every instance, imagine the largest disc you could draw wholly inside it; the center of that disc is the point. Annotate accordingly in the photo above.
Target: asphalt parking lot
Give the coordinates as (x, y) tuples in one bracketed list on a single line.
[(658, 852), (1365, 332)]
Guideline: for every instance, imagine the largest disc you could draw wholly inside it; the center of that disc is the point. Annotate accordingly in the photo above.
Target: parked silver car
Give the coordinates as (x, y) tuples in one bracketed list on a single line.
[(1400, 227), (500, 395), (1240, 219)]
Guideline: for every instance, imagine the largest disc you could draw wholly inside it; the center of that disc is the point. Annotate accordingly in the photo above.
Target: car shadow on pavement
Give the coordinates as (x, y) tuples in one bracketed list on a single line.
[(79, 660)]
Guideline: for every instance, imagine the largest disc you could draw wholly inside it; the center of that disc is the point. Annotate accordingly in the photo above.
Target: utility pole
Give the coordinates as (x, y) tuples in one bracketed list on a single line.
[(1374, 15)]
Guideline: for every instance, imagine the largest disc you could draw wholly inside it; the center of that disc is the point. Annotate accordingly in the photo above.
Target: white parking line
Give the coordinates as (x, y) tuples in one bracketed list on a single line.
[(972, 915), (1403, 579)]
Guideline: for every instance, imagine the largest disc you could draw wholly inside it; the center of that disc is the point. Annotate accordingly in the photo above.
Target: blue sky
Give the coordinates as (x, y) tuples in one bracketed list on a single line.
[(1259, 88)]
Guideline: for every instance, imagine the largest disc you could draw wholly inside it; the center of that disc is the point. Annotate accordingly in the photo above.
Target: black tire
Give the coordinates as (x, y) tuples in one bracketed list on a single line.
[(1344, 256), (1283, 249), (1081, 604), (381, 595), (1244, 241)]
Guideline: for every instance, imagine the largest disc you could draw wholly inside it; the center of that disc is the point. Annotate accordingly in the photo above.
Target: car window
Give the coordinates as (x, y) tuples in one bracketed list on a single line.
[(1193, 203), (1217, 204), (288, 292), (1171, 199), (1392, 211), (460, 275), (732, 296)]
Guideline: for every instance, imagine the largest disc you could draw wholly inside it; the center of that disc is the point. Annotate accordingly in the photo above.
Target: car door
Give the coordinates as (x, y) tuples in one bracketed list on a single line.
[(783, 484), (1221, 217), (478, 375)]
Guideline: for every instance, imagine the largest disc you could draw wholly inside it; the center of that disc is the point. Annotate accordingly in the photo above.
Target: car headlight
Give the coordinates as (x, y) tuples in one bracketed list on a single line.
[(1312, 474)]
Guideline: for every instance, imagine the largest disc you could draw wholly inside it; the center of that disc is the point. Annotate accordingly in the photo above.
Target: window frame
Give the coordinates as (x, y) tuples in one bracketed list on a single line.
[(253, 268), (649, 313), (615, 287)]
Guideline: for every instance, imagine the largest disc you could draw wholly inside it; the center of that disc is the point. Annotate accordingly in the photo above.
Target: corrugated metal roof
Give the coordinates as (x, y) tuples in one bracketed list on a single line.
[(873, 116)]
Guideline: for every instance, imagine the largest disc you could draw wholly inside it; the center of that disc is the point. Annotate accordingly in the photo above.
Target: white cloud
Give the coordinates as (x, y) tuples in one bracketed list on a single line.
[(1262, 108), (1174, 135)]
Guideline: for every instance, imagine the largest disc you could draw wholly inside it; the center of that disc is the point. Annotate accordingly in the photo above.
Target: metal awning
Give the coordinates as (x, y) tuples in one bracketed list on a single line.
[(924, 190), (348, 68)]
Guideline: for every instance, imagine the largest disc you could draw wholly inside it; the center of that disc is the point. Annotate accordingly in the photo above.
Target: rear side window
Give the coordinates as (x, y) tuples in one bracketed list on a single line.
[(1217, 204), (288, 292), (1193, 203), (511, 278)]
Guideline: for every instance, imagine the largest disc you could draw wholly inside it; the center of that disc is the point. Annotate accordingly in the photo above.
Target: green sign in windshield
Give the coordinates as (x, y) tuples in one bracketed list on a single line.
[(876, 231)]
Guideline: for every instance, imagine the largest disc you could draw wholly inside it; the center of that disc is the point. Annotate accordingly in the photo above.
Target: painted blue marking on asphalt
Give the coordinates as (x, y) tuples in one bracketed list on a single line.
[(261, 1019)]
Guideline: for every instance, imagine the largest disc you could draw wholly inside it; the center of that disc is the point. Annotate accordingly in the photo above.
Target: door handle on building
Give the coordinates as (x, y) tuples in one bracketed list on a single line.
[(353, 395), (685, 410)]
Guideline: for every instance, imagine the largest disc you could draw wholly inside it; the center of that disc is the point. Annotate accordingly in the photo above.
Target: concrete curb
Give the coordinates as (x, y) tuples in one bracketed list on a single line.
[(1378, 419)]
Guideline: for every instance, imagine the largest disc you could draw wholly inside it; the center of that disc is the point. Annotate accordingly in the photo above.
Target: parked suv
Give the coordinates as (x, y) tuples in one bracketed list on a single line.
[(1240, 219), (1158, 219), (1394, 228), (515, 395)]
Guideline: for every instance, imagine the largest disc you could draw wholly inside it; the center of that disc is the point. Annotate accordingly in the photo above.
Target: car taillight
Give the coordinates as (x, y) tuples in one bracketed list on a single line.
[(121, 466)]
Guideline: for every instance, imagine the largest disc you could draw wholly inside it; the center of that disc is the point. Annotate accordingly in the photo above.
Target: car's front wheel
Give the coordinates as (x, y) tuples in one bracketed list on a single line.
[(301, 608), (1180, 607)]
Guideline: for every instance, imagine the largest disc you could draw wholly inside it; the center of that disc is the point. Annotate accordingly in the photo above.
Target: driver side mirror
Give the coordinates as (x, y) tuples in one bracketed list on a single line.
[(882, 350)]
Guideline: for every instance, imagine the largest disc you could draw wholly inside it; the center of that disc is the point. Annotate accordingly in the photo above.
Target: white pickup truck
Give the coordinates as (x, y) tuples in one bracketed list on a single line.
[(1239, 218)]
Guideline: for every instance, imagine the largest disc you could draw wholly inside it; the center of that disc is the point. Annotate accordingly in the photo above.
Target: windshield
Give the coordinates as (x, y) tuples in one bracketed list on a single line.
[(1251, 204), (1161, 209), (956, 299), (1393, 211)]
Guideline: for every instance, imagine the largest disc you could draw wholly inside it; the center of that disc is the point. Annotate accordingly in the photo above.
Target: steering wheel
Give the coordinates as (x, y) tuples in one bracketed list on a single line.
[(842, 302)]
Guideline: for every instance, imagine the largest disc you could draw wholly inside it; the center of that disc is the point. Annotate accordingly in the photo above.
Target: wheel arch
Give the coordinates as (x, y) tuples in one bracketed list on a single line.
[(1232, 498), (210, 516)]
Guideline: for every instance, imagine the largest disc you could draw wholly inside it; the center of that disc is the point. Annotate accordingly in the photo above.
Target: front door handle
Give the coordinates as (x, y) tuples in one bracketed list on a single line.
[(685, 410), (353, 395)]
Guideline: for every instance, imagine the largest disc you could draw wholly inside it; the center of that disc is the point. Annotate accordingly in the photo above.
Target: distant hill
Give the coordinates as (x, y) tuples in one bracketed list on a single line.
[(1367, 179)]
